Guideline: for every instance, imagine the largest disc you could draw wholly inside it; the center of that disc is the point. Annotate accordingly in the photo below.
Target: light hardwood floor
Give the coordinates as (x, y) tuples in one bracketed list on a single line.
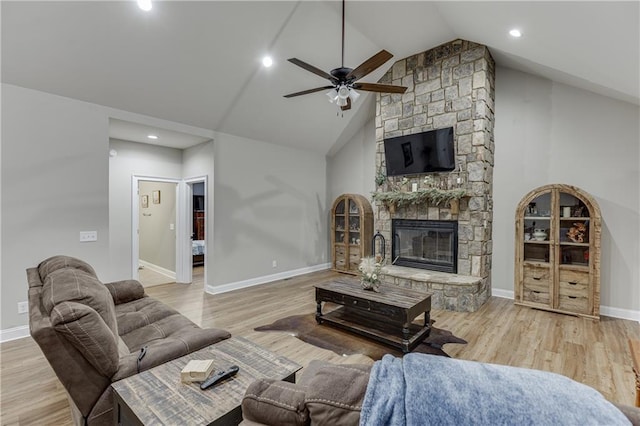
[(592, 352)]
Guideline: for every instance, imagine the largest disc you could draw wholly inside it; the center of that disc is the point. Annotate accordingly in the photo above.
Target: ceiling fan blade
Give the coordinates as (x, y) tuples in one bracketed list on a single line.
[(382, 88), (369, 65), (313, 69), (306, 92), (347, 106)]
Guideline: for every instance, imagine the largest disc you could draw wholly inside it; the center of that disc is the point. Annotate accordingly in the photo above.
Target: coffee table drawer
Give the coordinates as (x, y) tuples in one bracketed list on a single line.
[(392, 313), (329, 296), (354, 302)]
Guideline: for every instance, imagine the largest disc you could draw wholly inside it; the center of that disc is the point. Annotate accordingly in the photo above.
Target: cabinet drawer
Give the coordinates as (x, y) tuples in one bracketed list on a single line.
[(573, 304), (573, 289), (536, 278), (580, 278), (536, 296), (340, 251)]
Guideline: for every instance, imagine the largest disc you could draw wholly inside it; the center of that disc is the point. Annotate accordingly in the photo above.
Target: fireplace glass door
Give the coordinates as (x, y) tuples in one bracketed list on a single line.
[(426, 244)]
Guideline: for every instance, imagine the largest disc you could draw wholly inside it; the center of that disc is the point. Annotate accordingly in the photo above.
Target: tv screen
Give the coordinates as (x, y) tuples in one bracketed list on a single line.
[(425, 152)]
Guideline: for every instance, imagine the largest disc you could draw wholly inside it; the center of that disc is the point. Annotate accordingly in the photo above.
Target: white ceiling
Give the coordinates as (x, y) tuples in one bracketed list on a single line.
[(198, 63)]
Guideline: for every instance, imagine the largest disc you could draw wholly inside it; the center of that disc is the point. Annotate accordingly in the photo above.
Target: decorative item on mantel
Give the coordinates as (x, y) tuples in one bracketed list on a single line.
[(435, 190), (371, 270)]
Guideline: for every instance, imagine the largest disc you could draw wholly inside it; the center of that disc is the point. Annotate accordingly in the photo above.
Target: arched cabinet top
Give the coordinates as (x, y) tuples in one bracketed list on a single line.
[(361, 202), (590, 203)]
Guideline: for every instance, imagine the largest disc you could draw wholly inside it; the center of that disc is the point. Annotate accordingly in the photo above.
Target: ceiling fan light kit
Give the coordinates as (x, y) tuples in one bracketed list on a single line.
[(344, 80)]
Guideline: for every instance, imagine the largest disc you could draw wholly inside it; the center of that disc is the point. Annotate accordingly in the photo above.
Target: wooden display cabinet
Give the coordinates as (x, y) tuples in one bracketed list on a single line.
[(351, 232), (557, 265)]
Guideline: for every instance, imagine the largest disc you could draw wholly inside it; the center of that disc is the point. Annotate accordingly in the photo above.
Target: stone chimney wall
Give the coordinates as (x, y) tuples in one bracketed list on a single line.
[(451, 85)]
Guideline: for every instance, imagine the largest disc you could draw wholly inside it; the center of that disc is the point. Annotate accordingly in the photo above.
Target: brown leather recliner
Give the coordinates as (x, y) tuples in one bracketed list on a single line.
[(92, 333)]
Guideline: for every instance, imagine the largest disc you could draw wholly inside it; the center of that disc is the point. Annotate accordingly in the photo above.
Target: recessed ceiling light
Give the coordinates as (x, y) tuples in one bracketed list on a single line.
[(515, 33), (267, 61), (152, 137), (145, 5)]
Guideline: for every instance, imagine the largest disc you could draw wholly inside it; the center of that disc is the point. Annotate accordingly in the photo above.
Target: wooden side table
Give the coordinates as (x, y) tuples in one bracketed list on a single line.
[(634, 345)]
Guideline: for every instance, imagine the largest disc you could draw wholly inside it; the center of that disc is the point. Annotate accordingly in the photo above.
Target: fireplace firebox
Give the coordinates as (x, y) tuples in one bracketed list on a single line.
[(425, 244)]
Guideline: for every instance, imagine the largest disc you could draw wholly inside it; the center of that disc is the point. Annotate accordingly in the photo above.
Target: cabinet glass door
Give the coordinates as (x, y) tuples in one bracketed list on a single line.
[(354, 223), (573, 231), (340, 223), (537, 228)]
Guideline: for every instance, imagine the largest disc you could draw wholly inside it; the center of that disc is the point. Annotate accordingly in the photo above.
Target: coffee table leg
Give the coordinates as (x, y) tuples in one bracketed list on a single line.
[(405, 338), (319, 312)]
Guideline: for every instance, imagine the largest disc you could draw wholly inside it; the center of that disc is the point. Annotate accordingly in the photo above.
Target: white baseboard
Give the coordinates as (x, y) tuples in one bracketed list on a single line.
[(158, 269), (265, 279), (14, 333), (607, 311), (628, 314), (505, 294)]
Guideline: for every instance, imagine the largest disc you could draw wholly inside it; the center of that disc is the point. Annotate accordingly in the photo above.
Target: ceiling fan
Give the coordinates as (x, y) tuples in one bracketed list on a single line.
[(344, 80)]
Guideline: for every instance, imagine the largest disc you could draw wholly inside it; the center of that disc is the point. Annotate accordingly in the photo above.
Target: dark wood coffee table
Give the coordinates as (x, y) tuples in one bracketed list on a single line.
[(386, 316), (158, 397)]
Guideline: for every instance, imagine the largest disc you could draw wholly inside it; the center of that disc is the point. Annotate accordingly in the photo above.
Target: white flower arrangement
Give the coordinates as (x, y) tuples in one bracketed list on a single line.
[(371, 271)]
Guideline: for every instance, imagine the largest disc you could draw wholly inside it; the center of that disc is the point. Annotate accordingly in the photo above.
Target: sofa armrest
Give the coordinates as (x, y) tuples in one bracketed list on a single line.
[(632, 413), (125, 291), (274, 402)]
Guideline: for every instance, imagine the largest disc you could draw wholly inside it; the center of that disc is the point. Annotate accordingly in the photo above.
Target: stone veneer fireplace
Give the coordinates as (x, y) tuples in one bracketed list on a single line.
[(451, 85)]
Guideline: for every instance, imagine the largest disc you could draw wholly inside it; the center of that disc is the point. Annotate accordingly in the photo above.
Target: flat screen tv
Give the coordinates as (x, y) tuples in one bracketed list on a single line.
[(426, 152)]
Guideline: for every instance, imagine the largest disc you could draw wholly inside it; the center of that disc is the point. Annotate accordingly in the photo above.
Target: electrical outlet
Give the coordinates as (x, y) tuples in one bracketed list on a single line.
[(23, 307), (88, 236), (274, 264)]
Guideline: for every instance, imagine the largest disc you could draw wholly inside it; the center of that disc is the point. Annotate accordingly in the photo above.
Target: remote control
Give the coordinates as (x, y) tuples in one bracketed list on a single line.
[(219, 377)]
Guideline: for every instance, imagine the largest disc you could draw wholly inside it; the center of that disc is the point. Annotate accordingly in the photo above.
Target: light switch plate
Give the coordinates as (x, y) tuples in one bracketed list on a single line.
[(88, 236)]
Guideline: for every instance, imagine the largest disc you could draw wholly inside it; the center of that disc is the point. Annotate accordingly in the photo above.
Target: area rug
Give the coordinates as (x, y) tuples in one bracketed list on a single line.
[(342, 342)]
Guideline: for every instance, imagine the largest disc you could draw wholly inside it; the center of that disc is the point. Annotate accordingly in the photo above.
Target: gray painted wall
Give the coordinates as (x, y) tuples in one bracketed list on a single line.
[(157, 225), (344, 175), (270, 204), (54, 185), (133, 159), (549, 133)]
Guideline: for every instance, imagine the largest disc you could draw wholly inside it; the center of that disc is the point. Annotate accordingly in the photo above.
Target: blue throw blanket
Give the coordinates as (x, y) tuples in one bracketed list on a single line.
[(424, 389)]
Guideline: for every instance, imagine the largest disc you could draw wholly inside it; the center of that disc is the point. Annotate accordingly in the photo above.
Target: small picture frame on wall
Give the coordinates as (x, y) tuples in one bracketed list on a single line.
[(144, 200), (156, 197)]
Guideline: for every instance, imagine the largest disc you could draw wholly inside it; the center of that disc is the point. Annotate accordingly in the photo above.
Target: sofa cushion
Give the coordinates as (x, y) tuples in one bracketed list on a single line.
[(175, 328), (140, 313), (77, 285), (274, 402), (54, 263), (86, 330), (335, 394)]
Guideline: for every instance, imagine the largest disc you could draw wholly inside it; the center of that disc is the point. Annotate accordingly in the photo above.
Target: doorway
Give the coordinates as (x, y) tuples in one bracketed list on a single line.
[(157, 232), (197, 225)]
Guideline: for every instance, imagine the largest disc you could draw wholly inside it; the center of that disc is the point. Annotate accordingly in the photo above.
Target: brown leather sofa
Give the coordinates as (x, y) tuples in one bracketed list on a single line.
[(93, 334)]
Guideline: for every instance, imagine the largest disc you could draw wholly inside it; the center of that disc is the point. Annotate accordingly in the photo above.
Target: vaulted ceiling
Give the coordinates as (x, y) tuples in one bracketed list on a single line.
[(199, 63)]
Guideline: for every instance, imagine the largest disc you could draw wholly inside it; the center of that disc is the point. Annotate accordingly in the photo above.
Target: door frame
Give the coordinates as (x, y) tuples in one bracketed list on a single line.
[(135, 221), (186, 205)]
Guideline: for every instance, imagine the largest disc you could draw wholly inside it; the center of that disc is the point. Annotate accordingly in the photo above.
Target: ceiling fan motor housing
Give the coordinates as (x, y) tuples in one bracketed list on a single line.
[(341, 74)]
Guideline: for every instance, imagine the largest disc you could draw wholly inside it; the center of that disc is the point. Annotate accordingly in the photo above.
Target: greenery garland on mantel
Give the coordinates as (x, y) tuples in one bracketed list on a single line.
[(434, 196)]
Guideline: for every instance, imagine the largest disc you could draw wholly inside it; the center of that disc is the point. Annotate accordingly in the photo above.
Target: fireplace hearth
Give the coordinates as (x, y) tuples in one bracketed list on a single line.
[(425, 244)]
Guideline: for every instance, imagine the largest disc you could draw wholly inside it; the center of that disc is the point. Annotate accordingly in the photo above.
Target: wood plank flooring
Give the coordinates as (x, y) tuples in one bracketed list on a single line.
[(592, 352)]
